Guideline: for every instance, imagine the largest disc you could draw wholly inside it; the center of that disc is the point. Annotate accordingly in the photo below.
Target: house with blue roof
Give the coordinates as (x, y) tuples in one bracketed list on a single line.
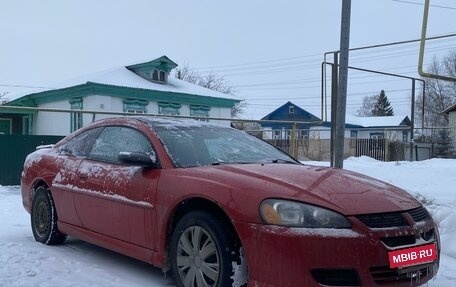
[(280, 123)]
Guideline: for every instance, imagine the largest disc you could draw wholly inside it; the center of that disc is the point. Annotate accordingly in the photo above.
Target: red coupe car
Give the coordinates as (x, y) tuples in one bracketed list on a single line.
[(219, 207)]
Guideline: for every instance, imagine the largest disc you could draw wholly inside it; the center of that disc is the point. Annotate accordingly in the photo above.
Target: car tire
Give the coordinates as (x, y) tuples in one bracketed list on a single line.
[(44, 218), (202, 251)]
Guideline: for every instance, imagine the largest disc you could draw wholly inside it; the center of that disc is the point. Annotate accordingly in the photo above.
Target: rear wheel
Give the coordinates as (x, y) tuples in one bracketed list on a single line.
[(202, 252), (44, 218)]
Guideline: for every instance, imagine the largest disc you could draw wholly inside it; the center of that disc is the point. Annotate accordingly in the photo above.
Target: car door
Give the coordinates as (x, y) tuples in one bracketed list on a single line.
[(113, 199), (67, 159)]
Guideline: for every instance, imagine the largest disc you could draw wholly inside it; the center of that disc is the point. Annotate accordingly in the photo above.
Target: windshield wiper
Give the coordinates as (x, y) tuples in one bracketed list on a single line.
[(230, 162), (281, 160)]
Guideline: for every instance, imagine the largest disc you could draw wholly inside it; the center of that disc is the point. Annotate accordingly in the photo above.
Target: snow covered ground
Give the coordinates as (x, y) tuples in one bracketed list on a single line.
[(23, 262)]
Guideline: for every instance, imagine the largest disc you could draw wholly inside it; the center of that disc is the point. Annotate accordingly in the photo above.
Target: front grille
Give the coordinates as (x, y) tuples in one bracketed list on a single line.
[(398, 241), (428, 235), (382, 220), (419, 214), (386, 275), (336, 277)]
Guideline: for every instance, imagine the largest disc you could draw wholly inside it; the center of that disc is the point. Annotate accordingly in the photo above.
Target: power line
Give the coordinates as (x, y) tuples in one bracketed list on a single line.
[(24, 86), (421, 4), (260, 62)]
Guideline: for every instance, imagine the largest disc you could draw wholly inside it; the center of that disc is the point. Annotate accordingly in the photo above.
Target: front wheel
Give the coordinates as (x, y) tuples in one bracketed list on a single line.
[(202, 252), (44, 218)]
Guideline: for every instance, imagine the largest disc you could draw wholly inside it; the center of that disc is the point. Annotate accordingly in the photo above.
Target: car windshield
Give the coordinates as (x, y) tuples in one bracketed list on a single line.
[(213, 145)]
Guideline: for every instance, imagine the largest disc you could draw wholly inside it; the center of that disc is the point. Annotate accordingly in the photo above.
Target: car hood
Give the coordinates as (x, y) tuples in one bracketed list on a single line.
[(344, 191)]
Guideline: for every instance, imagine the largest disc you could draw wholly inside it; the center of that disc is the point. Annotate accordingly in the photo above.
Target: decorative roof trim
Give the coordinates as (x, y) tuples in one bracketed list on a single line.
[(89, 89), (163, 64)]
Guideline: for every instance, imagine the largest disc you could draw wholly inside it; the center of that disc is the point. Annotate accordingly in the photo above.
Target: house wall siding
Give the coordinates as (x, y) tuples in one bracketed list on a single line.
[(452, 125), (52, 123)]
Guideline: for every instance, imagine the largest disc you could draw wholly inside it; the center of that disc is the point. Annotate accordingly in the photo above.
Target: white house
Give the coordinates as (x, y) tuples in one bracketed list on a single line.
[(451, 111), (140, 88)]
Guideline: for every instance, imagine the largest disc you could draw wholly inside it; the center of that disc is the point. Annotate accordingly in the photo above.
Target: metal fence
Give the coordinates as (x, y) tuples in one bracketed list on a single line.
[(13, 151), (301, 144)]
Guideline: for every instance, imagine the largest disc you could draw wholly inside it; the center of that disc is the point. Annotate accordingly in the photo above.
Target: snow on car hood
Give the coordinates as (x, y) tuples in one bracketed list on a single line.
[(344, 191)]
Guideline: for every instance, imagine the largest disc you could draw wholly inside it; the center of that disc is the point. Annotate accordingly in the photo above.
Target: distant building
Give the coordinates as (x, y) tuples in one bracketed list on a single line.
[(451, 112), (390, 127), (279, 129), (140, 88)]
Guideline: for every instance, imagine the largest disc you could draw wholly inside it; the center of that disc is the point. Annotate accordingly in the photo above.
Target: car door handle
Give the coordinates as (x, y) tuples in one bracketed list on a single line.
[(83, 176)]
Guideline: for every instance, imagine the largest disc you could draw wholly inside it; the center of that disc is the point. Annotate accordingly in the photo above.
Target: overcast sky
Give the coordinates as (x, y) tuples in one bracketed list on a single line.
[(270, 51)]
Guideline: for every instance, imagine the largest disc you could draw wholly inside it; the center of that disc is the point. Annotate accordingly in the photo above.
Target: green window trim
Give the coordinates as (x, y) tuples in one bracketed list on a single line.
[(135, 106), (76, 121), (169, 108), (199, 111), (159, 76), (76, 103)]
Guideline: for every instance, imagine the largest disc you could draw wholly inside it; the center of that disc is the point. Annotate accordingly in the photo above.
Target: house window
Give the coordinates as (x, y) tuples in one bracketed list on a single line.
[(277, 135), (287, 134), (170, 109), (354, 134), (404, 136), (158, 76), (5, 126), (76, 117), (376, 135), (135, 106), (27, 125), (155, 75), (303, 134), (291, 109), (200, 111), (162, 77)]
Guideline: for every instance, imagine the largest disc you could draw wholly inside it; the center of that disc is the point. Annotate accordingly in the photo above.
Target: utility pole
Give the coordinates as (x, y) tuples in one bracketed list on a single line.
[(334, 96), (343, 79)]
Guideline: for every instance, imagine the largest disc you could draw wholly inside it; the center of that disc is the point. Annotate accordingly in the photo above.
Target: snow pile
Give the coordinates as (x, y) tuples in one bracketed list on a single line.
[(23, 262)]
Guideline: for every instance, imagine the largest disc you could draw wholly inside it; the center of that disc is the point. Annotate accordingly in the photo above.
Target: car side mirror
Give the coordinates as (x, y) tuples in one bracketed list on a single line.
[(137, 158)]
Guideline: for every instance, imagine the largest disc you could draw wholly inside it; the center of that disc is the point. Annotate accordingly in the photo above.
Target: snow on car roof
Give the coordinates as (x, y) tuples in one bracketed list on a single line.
[(176, 123)]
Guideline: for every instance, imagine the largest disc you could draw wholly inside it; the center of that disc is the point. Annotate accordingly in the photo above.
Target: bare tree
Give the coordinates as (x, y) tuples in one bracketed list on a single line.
[(3, 98), (439, 94), (187, 74), (211, 81), (367, 107)]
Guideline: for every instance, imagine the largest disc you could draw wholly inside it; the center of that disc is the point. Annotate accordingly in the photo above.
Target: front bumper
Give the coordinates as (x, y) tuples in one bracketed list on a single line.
[(280, 256)]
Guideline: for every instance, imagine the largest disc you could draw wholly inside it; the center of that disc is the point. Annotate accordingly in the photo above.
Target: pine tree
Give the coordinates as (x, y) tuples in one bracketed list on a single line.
[(383, 107), (444, 148)]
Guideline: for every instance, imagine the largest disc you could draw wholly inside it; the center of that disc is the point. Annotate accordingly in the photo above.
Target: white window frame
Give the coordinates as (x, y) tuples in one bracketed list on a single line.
[(291, 109), (76, 120)]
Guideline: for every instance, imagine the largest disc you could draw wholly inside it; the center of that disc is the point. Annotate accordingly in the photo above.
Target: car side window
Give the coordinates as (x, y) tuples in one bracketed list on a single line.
[(114, 140), (81, 144)]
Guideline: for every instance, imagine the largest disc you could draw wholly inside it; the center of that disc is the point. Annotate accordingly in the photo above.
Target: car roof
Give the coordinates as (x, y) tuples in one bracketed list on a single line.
[(175, 123)]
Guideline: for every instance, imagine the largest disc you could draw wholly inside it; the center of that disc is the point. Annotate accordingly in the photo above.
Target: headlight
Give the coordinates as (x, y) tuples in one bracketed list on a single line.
[(296, 214)]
